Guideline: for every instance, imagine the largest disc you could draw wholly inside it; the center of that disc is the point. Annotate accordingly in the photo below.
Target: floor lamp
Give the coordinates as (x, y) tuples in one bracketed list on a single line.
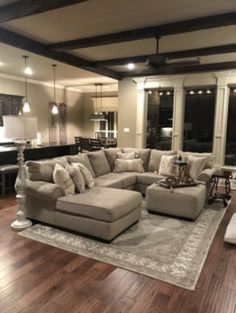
[(20, 129)]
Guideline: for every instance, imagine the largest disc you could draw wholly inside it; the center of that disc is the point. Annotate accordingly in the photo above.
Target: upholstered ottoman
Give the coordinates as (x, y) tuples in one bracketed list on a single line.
[(101, 212), (185, 202)]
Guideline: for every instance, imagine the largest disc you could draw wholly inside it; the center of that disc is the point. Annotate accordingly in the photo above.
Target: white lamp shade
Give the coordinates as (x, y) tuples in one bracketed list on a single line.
[(20, 127)]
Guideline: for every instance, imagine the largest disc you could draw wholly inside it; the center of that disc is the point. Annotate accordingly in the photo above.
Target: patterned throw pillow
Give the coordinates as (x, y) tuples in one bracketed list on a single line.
[(77, 177), (127, 155), (196, 165), (134, 165), (62, 178), (88, 178), (166, 165)]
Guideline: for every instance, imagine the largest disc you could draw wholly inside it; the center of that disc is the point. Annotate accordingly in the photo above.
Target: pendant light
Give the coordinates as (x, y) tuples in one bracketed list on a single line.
[(98, 115), (54, 106), (26, 106)]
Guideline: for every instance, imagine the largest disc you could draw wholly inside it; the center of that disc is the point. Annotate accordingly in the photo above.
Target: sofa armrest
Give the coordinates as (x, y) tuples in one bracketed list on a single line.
[(43, 190), (206, 175)]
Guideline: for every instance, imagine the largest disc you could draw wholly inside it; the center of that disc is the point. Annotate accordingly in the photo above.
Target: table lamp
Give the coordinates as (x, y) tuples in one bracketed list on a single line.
[(19, 129)]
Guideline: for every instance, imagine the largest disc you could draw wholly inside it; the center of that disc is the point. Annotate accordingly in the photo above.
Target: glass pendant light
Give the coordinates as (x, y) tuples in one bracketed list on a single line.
[(98, 115), (26, 106), (54, 106)]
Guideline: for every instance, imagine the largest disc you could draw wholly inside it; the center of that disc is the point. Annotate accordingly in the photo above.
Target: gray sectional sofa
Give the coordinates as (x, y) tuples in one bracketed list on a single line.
[(111, 206)]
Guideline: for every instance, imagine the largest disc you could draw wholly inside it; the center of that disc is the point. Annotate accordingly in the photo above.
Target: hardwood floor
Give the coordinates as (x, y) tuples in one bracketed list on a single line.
[(36, 278)]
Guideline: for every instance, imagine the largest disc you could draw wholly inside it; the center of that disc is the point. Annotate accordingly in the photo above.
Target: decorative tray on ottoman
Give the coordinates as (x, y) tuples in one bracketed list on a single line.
[(172, 182)]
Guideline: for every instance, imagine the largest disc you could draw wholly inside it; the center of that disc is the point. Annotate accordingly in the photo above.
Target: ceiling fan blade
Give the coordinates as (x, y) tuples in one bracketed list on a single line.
[(156, 60)]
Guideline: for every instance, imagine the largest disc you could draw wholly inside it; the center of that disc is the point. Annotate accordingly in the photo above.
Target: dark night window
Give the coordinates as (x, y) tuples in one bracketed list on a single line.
[(159, 119), (230, 152), (199, 120)]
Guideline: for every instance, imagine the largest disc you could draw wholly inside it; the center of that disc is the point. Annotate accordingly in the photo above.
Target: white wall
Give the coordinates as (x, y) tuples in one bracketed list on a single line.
[(39, 97)]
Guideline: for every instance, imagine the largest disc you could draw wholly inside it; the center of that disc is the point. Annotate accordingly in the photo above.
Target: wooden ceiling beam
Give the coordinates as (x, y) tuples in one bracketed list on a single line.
[(25, 8), (171, 55), (185, 26), (12, 39), (171, 70)]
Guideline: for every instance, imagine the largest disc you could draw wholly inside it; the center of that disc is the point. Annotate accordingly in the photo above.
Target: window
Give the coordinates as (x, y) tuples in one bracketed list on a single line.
[(108, 128), (159, 119), (199, 120), (230, 152)]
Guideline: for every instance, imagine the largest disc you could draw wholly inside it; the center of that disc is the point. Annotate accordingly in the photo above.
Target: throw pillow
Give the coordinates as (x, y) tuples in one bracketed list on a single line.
[(134, 165), (209, 157), (99, 163), (166, 165), (196, 165), (87, 176), (143, 154), (230, 234), (81, 158), (77, 177), (127, 155), (42, 170), (155, 159), (62, 178)]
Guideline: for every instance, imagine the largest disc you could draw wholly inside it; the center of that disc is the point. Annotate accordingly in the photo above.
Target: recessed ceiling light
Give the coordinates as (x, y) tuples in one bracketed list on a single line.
[(235, 90), (28, 71), (150, 92), (208, 91), (168, 93), (161, 93), (200, 92), (192, 92), (130, 66)]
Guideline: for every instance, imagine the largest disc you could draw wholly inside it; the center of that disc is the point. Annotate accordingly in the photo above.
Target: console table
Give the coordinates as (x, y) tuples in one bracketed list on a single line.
[(8, 153)]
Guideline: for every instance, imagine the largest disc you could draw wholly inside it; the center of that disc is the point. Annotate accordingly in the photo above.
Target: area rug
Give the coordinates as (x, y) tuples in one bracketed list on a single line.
[(169, 249)]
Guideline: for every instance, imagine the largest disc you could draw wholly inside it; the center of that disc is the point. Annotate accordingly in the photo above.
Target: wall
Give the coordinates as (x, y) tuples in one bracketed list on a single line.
[(127, 107), (39, 97)]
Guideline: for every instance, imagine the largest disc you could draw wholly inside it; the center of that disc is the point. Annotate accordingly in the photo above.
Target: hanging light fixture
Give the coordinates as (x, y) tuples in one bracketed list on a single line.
[(26, 106), (98, 115), (54, 105)]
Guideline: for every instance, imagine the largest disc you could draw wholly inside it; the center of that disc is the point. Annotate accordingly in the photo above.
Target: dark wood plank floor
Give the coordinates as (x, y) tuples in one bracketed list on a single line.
[(36, 278)]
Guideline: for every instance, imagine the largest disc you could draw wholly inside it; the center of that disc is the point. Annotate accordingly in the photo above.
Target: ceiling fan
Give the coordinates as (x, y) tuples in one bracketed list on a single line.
[(160, 60)]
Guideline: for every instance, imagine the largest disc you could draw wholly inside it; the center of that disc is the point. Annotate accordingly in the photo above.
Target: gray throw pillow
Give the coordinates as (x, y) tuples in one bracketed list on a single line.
[(83, 159), (134, 165), (127, 156), (111, 155), (77, 177), (143, 154), (155, 159), (41, 170), (99, 163), (209, 157)]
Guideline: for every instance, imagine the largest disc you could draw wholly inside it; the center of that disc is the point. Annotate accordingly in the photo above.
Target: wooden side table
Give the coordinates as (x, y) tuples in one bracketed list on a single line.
[(226, 175)]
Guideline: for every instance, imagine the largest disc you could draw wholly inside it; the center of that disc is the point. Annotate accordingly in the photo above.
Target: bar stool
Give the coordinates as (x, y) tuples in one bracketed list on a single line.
[(6, 172)]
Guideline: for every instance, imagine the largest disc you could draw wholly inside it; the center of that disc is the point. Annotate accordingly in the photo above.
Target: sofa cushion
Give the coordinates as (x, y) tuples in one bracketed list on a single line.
[(127, 155), (209, 157), (42, 170), (133, 165), (148, 178), (143, 154), (111, 182), (62, 178), (167, 165), (83, 159), (99, 163), (77, 177), (111, 155), (120, 180), (196, 165), (100, 203), (155, 159), (87, 176)]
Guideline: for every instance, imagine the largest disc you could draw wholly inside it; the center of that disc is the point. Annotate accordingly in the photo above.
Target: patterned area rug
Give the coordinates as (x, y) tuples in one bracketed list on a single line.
[(169, 249)]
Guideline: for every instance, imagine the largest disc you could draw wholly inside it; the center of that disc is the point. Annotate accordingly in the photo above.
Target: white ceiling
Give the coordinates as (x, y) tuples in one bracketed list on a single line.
[(95, 17)]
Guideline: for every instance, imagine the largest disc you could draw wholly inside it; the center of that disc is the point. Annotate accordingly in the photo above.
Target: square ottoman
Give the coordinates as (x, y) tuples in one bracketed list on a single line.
[(186, 202), (100, 212)]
